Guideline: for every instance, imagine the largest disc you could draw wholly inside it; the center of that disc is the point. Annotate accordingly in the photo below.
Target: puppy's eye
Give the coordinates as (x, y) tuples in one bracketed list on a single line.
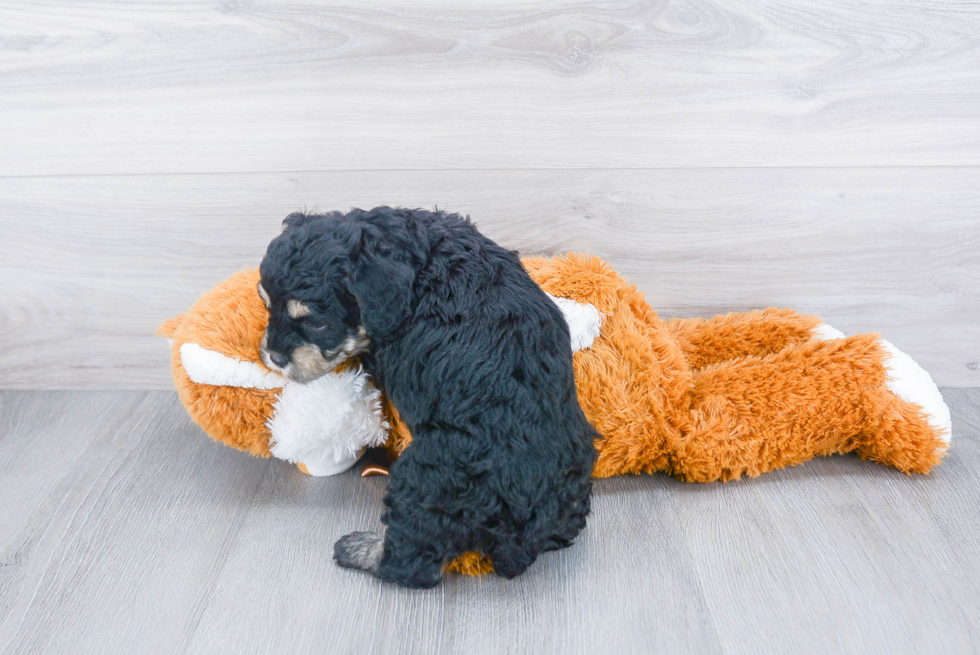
[(317, 327)]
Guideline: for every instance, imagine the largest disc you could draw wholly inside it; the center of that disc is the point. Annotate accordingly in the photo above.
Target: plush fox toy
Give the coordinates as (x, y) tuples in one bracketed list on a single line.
[(701, 399)]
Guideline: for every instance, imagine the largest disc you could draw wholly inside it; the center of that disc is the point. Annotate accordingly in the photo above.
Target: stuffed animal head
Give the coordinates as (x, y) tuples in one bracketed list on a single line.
[(325, 424), (238, 400)]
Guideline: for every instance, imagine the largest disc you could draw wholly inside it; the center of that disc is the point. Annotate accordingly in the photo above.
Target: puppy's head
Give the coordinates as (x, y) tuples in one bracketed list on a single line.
[(328, 294), (314, 320)]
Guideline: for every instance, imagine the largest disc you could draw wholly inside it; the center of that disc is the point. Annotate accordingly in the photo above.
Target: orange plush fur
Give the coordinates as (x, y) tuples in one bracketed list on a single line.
[(229, 319), (703, 400), (715, 399)]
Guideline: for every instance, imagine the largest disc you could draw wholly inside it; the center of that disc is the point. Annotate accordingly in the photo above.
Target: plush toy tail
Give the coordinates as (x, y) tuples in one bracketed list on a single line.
[(914, 430), (169, 327)]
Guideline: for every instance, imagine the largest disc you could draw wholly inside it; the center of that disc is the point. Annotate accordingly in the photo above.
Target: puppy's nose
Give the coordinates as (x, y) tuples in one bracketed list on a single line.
[(279, 359)]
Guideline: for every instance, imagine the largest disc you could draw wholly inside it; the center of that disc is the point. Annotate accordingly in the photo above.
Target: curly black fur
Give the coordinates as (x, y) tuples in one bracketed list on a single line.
[(477, 361)]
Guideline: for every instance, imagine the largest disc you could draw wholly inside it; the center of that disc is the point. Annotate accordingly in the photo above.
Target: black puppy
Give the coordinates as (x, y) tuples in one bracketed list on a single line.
[(475, 358)]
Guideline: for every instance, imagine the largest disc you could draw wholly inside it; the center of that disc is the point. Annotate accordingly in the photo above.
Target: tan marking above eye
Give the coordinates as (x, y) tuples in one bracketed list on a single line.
[(296, 309), (264, 296)]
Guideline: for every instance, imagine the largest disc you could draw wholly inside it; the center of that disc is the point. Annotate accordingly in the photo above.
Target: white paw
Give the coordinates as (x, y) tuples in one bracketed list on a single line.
[(911, 383), (324, 468), (825, 332)]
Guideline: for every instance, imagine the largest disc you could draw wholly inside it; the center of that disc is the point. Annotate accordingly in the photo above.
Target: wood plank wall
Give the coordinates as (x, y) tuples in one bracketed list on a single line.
[(821, 155)]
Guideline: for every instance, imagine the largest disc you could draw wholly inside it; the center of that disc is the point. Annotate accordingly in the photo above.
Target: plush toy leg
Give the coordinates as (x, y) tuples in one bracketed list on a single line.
[(758, 333), (756, 414)]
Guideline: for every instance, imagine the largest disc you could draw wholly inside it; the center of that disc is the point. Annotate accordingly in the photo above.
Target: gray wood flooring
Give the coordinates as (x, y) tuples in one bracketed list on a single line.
[(123, 529)]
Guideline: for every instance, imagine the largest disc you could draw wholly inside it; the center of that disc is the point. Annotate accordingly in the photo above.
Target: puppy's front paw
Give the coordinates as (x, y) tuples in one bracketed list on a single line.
[(359, 550)]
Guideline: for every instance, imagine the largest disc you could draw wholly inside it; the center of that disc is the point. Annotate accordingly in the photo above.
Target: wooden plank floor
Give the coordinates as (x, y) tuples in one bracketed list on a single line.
[(124, 530)]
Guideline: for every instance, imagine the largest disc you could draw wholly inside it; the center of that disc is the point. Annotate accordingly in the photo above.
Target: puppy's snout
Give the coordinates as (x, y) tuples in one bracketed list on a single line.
[(279, 359)]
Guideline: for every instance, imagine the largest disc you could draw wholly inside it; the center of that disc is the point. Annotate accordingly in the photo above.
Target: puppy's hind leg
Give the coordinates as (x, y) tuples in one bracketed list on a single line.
[(423, 518), (512, 560), (360, 550), (566, 536), (405, 562)]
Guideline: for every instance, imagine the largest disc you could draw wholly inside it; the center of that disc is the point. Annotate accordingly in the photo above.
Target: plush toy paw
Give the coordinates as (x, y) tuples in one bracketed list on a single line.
[(330, 467), (327, 424), (911, 383), (359, 550)]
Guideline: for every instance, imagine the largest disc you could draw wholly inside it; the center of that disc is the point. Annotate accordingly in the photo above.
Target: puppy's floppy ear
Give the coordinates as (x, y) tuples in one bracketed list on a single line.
[(383, 289)]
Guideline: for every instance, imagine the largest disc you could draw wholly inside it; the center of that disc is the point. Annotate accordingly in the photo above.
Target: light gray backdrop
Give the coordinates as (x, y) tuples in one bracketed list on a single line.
[(725, 156)]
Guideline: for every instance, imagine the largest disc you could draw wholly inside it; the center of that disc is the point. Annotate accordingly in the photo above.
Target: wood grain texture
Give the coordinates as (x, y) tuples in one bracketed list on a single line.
[(297, 520), (35, 455), (147, 537), (119, 554), (103, 86), (819, 154), (94, 264)]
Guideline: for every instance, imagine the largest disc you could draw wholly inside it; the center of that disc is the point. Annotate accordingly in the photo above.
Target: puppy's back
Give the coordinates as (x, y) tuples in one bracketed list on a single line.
[(482, 375)]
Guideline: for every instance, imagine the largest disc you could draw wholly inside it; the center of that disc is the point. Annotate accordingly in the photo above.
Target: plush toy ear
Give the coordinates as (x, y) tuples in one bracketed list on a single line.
[(169, 327), (383, 289), (584, 321)]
